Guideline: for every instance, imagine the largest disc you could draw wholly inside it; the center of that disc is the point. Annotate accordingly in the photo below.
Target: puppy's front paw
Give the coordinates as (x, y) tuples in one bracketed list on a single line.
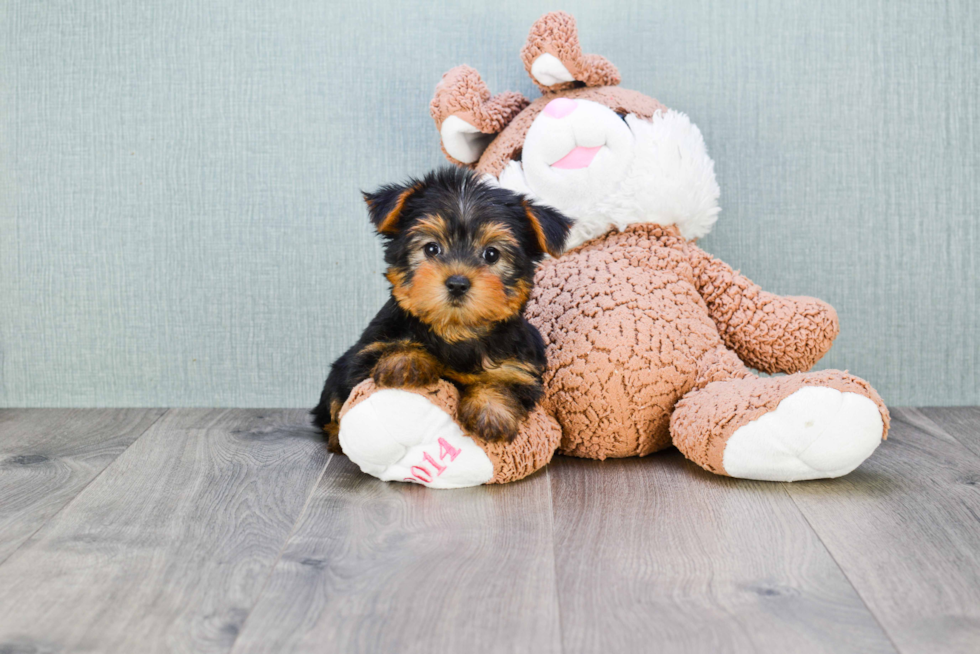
[(411, 368), (490, 414)]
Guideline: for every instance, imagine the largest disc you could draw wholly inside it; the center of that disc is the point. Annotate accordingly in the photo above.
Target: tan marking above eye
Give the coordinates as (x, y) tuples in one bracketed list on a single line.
[(428, 229), (495, 234), (434, 226)]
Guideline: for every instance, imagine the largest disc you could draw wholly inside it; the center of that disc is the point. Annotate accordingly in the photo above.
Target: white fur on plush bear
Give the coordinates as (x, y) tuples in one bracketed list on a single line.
[(398, 435), (815, 433), (549, 70), (463, 141), (648, 171), (575, 190)]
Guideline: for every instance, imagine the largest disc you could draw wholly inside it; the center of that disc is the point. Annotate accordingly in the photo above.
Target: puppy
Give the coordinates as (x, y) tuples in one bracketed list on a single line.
[(461, 255)]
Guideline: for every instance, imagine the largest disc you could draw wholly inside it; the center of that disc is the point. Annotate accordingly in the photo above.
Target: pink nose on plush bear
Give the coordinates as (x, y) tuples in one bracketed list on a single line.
[(560, 107)]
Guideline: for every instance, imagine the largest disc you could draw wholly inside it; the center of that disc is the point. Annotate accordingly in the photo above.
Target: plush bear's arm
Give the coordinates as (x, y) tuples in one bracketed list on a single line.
[(768, 332)]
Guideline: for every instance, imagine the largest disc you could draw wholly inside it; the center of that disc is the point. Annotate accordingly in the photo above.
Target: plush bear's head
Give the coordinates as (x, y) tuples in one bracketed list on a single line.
[(607, 157)]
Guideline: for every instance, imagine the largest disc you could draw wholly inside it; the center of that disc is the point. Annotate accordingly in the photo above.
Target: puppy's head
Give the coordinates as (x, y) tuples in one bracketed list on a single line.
[(461, 253)]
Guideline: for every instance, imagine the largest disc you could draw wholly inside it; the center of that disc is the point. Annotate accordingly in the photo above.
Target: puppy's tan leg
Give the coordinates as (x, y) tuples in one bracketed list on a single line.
[(496, 399), (405, 364), (491, 411), (331, 430)]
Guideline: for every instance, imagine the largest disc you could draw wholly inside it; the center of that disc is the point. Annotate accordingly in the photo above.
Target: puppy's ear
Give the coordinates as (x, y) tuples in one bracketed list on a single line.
[(387, 204), (549, 226)]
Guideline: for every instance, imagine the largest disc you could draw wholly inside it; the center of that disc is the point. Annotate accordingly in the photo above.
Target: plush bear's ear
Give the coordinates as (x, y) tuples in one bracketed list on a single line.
[(387, 204), (550, 227), (554, 60), (467, 117)]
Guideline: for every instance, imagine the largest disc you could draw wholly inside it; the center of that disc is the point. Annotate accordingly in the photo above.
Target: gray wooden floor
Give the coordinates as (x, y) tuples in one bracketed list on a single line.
[(207, 530)]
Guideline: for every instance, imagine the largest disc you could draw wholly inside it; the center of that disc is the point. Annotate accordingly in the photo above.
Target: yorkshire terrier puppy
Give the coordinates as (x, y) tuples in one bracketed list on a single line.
[(461, 255)]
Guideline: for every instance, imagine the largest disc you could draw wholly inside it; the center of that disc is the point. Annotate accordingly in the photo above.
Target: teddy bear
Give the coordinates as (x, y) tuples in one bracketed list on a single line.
[(651, 341)]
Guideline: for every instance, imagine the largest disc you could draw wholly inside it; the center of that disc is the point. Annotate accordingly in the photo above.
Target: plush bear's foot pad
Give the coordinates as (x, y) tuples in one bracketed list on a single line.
[(814, 433), (397, 435)]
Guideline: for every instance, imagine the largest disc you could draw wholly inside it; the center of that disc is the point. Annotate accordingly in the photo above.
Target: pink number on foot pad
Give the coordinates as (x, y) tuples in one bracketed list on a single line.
[(421, 474)]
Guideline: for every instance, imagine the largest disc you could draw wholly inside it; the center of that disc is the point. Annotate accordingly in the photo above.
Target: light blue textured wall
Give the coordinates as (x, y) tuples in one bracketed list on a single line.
[(179, 213)]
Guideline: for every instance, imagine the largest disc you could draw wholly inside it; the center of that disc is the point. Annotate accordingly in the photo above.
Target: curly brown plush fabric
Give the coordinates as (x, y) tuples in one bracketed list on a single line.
[(705, 419), (532, 449), (536, 443), (634, 320), (556, 34), (624, 330), (768, 332), (462, 93)]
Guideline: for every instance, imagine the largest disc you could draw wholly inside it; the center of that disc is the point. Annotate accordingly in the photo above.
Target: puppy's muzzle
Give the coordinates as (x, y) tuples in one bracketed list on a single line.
[(457, 285)]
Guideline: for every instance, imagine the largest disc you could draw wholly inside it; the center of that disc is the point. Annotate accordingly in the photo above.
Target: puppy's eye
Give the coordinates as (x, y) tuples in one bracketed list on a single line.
[(432, 250), (491, 255)]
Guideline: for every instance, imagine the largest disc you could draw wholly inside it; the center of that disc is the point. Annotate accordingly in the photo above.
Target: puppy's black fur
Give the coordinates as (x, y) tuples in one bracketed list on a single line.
[(461, 255)]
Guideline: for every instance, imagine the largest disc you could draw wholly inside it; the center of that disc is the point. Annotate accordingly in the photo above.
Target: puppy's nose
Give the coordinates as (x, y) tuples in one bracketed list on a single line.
[(560, 107), (458, 285)]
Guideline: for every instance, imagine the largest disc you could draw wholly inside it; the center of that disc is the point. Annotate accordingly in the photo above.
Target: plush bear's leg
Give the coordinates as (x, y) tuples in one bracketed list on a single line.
[(412, 435), (804, 426)]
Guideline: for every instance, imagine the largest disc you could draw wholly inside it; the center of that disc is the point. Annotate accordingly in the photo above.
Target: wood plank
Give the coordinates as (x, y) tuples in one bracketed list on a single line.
[(905, 528), (656, 554), (48, 455), (960, 422), (390, 567), (168, 549)]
